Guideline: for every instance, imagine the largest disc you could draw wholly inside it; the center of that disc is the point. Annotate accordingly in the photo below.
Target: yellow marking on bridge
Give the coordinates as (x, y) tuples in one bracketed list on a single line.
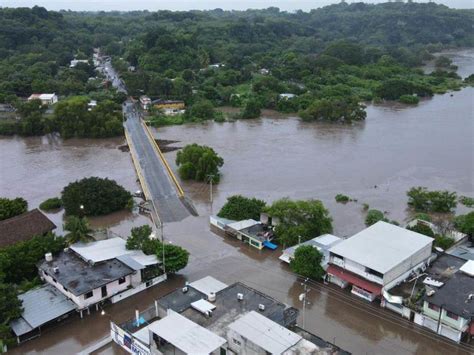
[(160, 154)]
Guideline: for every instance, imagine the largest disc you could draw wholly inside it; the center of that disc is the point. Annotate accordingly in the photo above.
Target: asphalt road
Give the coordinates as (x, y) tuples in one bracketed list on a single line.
[(170, 207)]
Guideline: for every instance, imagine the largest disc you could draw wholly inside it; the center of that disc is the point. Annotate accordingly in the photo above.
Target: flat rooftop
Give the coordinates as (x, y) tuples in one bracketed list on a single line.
[(80, 277), (382, 246), (464, 250), (324, 241)]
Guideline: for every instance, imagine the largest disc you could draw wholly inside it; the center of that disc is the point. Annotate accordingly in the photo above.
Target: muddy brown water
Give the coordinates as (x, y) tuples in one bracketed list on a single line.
[(396, 148)]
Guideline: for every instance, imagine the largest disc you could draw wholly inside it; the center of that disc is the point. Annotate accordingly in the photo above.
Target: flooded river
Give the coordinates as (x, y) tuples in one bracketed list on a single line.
[(375, 162)]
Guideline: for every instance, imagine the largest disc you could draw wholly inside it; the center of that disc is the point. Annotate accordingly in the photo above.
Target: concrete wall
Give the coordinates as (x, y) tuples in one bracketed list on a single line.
[(459, 324), (359, 269), (241, 345), (408, 264), (81, 302)]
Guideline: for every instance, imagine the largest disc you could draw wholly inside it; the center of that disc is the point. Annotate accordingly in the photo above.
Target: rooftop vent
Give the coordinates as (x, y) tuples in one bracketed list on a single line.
[(55, 270), (185, 289), (48, 257), (240, 296), (430, 292), (211, 297), (261, 307)]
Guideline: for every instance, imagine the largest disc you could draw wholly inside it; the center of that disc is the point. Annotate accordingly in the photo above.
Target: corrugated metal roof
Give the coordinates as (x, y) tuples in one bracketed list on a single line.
[(265, 333), (101, 250), (186, 335), (243, 224), (40, 306), (381, 246), (207, 285)]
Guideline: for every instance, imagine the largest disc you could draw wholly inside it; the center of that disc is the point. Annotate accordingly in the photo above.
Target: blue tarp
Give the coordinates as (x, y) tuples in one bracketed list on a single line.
[(270, 245)]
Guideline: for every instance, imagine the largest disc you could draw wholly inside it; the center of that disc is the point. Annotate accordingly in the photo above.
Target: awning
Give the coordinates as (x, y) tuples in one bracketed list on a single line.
[(354, 279)]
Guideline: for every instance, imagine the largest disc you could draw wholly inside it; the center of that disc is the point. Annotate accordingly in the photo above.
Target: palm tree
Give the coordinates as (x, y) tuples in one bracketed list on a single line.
[(78, 229)]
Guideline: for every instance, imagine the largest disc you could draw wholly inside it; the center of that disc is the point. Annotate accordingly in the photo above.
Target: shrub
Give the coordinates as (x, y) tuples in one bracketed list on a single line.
[(465, 223), (409, 99), (423, 200), (422, 229), (423, 217), (97, 196), (443, 242), (198, 163), (342, 198), (12, 207), (239, 208), (51, 204), (467, 201), (373, 216)]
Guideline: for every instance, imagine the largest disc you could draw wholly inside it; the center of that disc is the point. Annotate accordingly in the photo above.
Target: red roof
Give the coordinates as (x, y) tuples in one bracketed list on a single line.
[(354, 279)]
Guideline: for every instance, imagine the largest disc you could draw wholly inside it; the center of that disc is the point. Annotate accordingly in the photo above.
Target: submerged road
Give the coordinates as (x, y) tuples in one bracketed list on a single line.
[(169, 204)]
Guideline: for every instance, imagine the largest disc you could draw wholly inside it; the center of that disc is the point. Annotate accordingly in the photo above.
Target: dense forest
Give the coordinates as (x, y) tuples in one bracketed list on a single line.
[(329, 60)]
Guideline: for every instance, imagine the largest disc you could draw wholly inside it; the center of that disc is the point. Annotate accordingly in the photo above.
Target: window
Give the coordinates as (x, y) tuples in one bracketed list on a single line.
[(433, 307), (452, 315), (88, 295), (54, 280), (121, 280), (65, 289)]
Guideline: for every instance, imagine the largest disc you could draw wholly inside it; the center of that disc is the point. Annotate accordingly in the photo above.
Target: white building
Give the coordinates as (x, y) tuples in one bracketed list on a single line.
[(75, 62), (286, 96), (145, 102), (90, 273), (323, 243), (46, 99), (378, 257)]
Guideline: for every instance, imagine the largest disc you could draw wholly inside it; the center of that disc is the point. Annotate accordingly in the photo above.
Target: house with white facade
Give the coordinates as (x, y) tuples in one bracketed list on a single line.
[(46, 99), (378, 258), (91, 273)]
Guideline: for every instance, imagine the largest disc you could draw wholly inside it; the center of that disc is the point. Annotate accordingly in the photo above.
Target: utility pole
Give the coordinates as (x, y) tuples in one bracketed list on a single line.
[(211, 180), (302, 298), (163, 247)]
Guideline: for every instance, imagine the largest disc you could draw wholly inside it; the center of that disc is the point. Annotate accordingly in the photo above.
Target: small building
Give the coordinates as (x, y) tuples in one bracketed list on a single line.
[(46, 99), (91, 273), (440, 298), (169, 107), (145, 102), (24, 227), (323, 243), (252, 232), (41, 306), (286, 96), (75, 62), (234, 319), (378, 257)]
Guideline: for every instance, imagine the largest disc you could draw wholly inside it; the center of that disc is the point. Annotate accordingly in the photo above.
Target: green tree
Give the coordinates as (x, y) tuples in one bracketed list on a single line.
[(465, 224), (51, 204), (139, 237), (335, 109), (422, 229), (10, 309), (423, 200), (96, 196), (302, 218), (12, 207), (198, 163), (239, 208), (307, 262), (78, 228), (373, 216), (176, 257), (201, 110), (251, 109)]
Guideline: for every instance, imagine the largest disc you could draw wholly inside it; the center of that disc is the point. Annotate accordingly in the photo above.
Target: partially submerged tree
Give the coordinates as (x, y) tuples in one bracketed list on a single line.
[(176, 257), (424, 200), (373, 216), (239, 208), (307, 262), (465, 224), (78, 228), (302, 218), (199, 162)]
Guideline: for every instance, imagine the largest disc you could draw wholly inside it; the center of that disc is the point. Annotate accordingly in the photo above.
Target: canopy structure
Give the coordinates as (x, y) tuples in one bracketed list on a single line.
[(354, 279)]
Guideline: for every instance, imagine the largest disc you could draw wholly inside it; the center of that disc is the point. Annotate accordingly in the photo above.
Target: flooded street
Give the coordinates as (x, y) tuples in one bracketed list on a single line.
[(375, 162)]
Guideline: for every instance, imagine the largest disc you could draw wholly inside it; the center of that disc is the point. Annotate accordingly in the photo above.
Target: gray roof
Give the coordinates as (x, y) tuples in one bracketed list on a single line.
[(40, 306), (208, 285), (464, 250), (80, 277), (268, 335), (382, 246), (324, 242)]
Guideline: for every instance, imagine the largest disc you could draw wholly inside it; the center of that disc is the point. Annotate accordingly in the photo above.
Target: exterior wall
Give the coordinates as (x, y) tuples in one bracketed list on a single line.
[(421, 256), (337, 281), (356, 268), (130, 292), (112, 289), (403, 276), (459, 324), (241, 345)]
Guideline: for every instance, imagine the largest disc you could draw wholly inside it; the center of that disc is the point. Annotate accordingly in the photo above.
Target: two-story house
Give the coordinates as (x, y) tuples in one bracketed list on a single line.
[(378, 257)]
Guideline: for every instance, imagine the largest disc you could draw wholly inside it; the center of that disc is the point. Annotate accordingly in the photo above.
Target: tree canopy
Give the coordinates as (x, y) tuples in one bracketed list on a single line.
[(95, 196), (12, 207), (78, 228), (465, 224), (301, 218), (424, 200), (373, 216), (199, 162), (239, 208), (307, 262)]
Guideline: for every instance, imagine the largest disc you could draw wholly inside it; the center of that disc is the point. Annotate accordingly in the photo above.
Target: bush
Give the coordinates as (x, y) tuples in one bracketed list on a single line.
[(251, 109), (423, 217), (51, 204), (423, 200), (409, 99), (239, 208), (342, 198), (465, 223), (307, 262), (12, 207), (97, 196), (467, 201), (422, 229), (443, 242), (373, 216), (198, 162), (176, 258)]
